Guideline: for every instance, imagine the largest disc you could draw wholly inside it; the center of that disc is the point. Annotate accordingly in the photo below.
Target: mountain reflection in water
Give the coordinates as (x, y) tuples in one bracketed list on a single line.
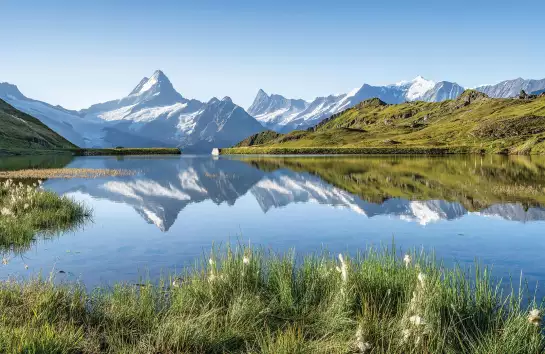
[(418, 189)]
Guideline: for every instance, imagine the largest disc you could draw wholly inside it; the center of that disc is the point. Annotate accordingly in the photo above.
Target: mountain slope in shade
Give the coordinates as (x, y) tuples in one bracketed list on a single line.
[(512, 88), (19, 130), (64, 122)]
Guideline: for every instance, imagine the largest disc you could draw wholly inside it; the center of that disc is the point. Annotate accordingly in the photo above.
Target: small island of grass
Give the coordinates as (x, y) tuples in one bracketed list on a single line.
[(27, 210)]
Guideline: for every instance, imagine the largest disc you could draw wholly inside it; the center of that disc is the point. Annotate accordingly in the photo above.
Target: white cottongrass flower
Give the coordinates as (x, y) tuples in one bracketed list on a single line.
[(6, 212), (417, 320), (5, 260), (26, 206), (406, 334), (407, 260), (422, 279), (343, 269), (535, 317), (211, 261), (246, 260), (360, 344)]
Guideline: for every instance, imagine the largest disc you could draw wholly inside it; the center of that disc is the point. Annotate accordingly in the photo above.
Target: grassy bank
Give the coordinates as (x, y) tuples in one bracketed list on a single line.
[(48, 173), (126, 151), (273, 150), (90, 152), (244, 301), (26, 210)]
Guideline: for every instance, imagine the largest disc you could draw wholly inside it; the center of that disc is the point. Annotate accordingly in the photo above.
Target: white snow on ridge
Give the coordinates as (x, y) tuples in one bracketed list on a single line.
[(140, 116), (149, 84), (419, 86)]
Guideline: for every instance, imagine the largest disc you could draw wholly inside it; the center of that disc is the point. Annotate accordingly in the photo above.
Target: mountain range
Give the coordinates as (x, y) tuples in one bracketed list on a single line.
[(152, 114), (471, 123), (155, 114), (283, 115)]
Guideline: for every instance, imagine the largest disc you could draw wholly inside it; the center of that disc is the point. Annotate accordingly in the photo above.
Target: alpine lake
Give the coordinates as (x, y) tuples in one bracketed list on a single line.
[(171, 210)]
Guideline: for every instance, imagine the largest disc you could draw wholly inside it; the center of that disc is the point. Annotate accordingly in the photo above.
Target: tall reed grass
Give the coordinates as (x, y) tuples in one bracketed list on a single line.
[(243, 300)]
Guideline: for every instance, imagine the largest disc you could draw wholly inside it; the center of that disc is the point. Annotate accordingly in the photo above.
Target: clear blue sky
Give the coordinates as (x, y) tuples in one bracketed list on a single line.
[(76, 53)]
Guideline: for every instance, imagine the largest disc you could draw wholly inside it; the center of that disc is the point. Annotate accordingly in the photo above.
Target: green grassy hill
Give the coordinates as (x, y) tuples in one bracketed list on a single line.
[(471, 123), (20, 131)]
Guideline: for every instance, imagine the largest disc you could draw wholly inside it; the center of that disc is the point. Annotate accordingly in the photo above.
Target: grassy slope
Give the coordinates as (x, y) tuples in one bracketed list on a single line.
[(471, 123), (20, 131), (276, 304)]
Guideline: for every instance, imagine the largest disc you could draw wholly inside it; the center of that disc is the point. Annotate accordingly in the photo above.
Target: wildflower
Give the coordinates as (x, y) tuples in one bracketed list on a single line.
[(407, 260), (535, 317), (26, 266), (360, 344), (40, 182), (211, 261), (343, 269), (417, 320), (26, 206), (422, 279), (5, 260), (6, 212), (246, 260), (406, 334)]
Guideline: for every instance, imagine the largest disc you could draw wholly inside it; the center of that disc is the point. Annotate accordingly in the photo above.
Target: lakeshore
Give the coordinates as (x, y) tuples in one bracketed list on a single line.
[(243, 300)]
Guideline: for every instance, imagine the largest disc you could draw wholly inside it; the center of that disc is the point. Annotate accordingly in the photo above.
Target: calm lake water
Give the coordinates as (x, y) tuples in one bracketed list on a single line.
[(173, 210)]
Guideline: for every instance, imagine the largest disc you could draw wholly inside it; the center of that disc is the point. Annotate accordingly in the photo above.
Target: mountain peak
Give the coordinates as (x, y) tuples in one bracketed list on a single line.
[(419, 86), (157, 83), (227, 99), (7, 89), (139, 86), (159, 76)]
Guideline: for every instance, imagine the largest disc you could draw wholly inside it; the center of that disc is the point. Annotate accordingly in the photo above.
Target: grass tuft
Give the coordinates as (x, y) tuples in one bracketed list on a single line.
[(27, 210)]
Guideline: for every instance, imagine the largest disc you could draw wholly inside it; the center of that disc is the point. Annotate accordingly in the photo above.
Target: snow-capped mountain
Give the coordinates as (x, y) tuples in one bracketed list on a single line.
[(284, 118), (275, 109), (155, 110), (511, 88), (287, 116), (442, 91), (153, 114)]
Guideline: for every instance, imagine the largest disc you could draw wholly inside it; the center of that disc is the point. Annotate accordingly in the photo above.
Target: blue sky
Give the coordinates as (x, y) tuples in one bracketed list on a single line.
[(76, 53)]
